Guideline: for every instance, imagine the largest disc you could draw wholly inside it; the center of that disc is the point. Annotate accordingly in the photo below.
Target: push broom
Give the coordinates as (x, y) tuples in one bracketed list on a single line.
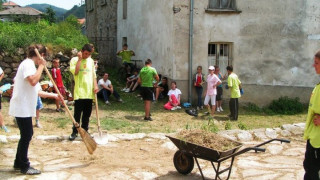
[(86, 138)]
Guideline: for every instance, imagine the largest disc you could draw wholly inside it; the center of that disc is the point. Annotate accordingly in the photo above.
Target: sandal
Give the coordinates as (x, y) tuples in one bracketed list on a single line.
[(31, 171)]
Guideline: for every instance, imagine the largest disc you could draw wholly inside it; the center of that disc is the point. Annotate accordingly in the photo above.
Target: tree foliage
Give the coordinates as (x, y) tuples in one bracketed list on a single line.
[(50, 15), (61, 36)]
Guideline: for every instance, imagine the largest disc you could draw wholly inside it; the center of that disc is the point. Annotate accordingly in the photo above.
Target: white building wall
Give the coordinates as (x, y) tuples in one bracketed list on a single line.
[(149, 32), (273, 42)]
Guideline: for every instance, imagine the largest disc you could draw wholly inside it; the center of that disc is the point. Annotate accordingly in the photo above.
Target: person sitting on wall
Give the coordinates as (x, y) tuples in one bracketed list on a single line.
[(126, 55), (106, 89)]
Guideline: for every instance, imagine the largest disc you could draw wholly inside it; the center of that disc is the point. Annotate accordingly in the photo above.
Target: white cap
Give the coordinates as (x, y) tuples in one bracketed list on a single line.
[(211, 67)]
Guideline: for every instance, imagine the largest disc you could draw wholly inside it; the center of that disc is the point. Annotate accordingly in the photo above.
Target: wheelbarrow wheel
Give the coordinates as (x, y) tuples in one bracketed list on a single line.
[(183, 162)]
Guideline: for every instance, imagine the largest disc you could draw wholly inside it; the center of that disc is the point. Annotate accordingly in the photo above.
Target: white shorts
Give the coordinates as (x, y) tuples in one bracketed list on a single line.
[(208, 97)]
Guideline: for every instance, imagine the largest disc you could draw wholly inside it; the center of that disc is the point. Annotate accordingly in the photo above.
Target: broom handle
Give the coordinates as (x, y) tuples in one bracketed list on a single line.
[(96, 102), (57, 90), (97, 109)]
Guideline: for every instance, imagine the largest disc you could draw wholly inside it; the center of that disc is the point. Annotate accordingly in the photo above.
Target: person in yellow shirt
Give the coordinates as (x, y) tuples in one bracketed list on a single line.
[(83, 69), (234, 85), (311, 162)]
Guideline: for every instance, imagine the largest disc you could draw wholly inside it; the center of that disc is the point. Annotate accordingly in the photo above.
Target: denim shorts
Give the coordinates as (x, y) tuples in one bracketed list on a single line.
[(39, 103)]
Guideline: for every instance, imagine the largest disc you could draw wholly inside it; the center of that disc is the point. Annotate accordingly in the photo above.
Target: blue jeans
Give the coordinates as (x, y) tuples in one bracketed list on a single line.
[(104, 93), (199, 90)]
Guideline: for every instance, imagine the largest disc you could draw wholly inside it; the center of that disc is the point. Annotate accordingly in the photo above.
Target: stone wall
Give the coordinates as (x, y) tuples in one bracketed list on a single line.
[(101, 28), (10, 64)]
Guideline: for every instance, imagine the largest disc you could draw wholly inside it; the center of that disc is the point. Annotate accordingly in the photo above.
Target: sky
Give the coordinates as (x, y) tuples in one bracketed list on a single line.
[(65, 4)]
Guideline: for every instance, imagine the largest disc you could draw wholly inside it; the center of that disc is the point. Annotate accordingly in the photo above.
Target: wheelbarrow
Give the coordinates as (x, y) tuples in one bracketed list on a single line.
[(184, 158)]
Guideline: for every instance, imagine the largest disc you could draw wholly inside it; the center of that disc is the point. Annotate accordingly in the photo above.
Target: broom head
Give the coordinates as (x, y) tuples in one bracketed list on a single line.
[(88, 141)]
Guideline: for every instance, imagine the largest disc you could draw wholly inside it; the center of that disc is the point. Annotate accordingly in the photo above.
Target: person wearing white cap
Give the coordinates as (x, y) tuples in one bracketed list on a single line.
[(212, 82)]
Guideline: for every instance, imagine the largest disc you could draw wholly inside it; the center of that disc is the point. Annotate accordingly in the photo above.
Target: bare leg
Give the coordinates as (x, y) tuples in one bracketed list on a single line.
[(38, 118), (213, 109), (147, 105), (1, 120), (135, 86), (57, 105)]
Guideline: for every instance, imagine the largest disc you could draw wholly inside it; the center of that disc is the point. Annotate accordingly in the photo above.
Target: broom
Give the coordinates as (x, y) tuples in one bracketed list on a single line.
[(86, 138)]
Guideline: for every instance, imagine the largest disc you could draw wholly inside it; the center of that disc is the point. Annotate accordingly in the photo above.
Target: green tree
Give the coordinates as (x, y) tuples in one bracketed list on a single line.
[(73, 20), (50, 15)]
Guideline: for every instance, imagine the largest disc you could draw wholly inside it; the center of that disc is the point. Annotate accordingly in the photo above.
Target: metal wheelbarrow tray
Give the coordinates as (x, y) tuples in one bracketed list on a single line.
[(188, 152)]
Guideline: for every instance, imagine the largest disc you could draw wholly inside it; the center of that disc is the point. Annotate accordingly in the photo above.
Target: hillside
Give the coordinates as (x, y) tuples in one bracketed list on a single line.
[(61, 14), (78, 11), (42, 7)]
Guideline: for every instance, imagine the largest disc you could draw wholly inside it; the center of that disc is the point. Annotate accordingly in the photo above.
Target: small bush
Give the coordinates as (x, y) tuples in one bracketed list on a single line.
[(253, 108), (228, 125), (242, 126), (286, 105)]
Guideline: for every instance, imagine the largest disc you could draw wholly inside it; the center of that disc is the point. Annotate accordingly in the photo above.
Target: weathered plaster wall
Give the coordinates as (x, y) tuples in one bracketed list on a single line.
[(149, 32), (270, 44)]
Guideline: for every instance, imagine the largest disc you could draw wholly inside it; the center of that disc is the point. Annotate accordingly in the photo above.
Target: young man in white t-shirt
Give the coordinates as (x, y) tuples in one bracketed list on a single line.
[(24, 101), (174, 97), (106, 89), (213, 81)]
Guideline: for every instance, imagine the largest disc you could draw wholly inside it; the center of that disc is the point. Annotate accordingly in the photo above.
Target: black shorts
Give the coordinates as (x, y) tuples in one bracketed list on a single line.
[(146, 93), (219, 94)]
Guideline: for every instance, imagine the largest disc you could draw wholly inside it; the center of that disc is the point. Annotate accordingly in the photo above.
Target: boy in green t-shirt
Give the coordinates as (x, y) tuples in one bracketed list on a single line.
[(311, 162), (83, 70), (126, 55), (235, 85), (146, 77)]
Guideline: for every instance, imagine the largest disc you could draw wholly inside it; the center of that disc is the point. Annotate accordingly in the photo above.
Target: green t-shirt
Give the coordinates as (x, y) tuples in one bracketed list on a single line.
[(147, 76), (234, 82), (83, 88), (126, 55), (311, 131)]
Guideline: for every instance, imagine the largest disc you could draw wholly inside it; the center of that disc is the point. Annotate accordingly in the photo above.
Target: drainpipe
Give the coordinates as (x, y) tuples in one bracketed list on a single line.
[(190, 50)]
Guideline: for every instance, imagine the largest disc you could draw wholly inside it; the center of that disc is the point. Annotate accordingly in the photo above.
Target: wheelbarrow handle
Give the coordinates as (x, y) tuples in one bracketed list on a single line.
[(284, 140), (258, 149)]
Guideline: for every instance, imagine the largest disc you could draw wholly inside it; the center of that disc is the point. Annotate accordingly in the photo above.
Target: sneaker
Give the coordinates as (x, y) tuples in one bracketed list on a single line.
[(5, 129), (221, 109), (198, 108), (127, 90), (30, 171), (218, 109), (174, 108), (73, 136), (108, 103), (120, 100), (148, 118), (124, 89), (178, 107), (59, 110), (38, 125)]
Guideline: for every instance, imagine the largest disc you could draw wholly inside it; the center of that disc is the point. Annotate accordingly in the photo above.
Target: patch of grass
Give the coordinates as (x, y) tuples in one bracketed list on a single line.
[(242, 126), (62, 122), (228, 125)]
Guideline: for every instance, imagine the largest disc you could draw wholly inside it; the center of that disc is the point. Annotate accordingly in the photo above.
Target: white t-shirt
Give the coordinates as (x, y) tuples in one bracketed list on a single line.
[(102, 82), (176, 92), (1, 71), (24, 97)]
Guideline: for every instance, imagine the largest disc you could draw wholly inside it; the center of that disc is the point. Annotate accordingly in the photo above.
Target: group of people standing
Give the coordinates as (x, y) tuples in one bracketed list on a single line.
[(214, 90)]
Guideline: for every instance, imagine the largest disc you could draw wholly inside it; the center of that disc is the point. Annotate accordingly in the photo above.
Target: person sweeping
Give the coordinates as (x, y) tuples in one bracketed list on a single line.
[(24, 101), (83, 70)]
